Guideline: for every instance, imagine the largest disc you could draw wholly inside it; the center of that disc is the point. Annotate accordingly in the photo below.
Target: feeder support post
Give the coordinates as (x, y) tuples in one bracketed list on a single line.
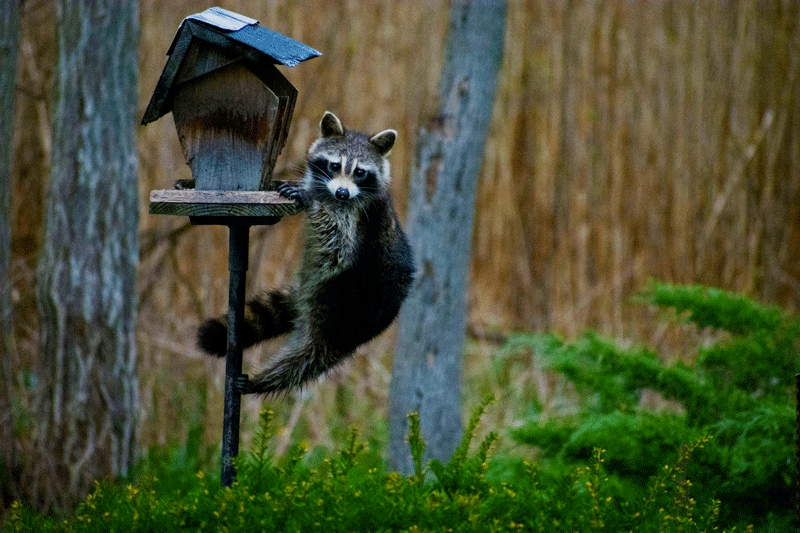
[(232, 109), (239, 236)]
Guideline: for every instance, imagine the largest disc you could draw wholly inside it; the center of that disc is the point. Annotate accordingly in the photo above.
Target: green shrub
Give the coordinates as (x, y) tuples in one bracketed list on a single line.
[(346, 491), (739, 393)]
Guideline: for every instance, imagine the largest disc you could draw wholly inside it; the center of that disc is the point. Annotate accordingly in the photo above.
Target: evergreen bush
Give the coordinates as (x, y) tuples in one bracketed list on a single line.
[(739, 393)]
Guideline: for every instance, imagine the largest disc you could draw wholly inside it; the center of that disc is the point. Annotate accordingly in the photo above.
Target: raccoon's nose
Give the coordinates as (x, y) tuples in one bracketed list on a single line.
[(342, 193)]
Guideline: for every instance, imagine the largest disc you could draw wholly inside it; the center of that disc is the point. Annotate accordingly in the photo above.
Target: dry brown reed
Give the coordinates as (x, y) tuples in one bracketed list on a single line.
[(630, 140)]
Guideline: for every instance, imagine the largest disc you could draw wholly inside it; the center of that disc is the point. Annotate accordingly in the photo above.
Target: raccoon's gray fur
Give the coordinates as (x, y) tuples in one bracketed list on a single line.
[(356, 269)]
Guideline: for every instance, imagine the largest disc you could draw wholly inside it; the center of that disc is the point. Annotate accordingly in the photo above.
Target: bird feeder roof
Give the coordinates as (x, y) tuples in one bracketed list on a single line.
[(231, 32)]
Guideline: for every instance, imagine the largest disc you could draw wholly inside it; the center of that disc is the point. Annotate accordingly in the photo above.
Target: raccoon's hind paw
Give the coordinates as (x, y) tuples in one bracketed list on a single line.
[(212, 337), (292, 192), (242, 384)]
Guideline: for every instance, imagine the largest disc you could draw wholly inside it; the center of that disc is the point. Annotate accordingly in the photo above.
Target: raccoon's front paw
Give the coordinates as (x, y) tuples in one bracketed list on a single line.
[(292, 192), (242, 384), (184, 184)]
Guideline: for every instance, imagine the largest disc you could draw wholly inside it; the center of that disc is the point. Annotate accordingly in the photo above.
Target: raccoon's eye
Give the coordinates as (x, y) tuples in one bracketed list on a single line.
[(335, 166), (359, 173)]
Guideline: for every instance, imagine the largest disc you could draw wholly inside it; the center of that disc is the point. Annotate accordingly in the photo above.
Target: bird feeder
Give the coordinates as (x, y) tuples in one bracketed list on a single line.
[(232, 109)]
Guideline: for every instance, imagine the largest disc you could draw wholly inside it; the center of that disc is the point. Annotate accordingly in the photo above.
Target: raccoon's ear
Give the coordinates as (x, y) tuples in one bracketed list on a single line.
[(384, 141), (330, 125)]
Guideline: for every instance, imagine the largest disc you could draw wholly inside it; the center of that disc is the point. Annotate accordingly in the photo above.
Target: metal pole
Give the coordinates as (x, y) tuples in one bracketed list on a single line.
[(237, 265)]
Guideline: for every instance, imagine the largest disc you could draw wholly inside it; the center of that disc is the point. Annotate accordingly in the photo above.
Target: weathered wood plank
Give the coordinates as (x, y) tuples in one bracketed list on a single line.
[(194, 196), (221, 203), (226, 124)]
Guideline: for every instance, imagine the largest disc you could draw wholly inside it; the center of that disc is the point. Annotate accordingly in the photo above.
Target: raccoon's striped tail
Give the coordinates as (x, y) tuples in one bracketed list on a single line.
[(265, 317), (301, 360)]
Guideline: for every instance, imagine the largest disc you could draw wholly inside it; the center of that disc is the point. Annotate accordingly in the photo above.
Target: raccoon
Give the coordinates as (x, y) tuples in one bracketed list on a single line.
[(356, 269)]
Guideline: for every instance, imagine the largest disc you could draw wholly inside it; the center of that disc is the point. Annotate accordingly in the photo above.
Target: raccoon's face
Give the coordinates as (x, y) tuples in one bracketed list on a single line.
[(347, 166)]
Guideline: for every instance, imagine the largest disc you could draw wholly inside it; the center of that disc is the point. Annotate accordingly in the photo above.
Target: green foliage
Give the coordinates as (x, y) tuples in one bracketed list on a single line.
[(606, 465), (344, 492), (417, 445), (173, 468), (738, 393), (611, 378), (708, 307), (463, 472), (761, 356)]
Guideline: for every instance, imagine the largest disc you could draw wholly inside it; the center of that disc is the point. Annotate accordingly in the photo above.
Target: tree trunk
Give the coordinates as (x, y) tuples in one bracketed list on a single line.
[(9, 39), (426, 376), (88, 399)]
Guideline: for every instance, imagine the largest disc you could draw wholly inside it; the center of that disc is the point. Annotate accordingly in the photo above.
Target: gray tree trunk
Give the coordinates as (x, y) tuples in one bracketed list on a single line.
[(9, 39), (88, 399), (426, 375)]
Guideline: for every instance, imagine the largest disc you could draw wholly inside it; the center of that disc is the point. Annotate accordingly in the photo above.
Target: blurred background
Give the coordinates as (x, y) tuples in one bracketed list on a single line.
[(630, 141)]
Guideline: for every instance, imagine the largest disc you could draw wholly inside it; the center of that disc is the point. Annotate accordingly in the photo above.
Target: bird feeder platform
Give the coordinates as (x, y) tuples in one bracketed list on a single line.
[(241, 208)]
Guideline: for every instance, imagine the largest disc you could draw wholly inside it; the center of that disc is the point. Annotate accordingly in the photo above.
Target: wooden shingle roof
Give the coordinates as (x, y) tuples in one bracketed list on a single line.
[(232, 35)]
